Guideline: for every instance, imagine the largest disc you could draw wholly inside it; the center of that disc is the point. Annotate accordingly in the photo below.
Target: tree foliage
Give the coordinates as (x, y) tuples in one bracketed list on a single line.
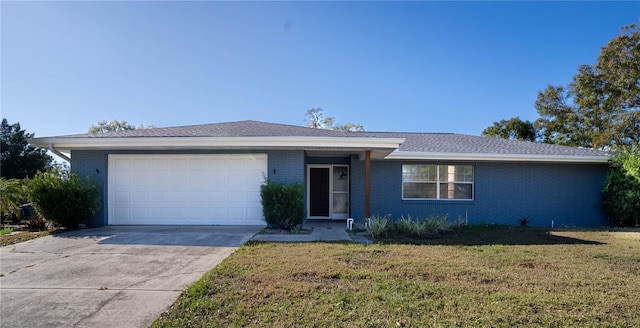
[(315, 119), (621, 193), (11, 196), (64, 198), (514, 129), (600, 108), (115, 125), (19, 158)]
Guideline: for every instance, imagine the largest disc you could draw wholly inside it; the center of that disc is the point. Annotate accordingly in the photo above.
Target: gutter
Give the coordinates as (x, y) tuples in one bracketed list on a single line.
[(57, 152), (486, 157)]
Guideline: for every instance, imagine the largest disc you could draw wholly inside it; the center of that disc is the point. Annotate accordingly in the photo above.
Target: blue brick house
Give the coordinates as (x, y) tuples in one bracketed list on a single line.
[(211, 174)]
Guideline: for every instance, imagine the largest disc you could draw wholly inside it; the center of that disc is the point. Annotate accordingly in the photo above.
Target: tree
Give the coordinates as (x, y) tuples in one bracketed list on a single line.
[(19, 158), (600, 108), (315, 119), (115, 125), (11, 196), (621, 192), (514, 129)]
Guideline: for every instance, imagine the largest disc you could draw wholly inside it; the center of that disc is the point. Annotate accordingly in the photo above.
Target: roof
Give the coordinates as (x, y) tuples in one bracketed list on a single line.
[(263, 135), (226, 129)]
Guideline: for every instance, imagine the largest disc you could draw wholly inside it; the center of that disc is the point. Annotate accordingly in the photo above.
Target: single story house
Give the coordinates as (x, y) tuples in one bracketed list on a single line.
[(211, 175)]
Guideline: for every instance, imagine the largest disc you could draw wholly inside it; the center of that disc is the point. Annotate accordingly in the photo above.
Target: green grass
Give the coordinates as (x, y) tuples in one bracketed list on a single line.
[(5, 231), (477, 277)]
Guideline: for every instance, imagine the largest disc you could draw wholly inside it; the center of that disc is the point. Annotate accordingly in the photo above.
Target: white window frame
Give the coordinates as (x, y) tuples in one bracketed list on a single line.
[(438, 182)]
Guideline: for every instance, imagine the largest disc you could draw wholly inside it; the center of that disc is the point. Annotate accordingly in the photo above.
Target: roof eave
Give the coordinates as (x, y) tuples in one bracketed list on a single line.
[(135, 143), (492, 157)]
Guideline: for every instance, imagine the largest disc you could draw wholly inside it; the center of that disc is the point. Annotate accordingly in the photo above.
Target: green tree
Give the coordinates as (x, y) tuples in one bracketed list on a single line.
[(115, 125), (19, 158), (514, 129), (315, 119), (621, 192), (11, 196), (600, 108)]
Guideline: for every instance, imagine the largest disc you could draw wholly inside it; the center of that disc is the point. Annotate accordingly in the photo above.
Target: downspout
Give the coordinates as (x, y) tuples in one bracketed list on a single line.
[(57, 152)]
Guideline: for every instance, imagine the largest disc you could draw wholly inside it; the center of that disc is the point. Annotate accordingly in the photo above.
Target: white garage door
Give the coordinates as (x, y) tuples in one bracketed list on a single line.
[(186, 189)]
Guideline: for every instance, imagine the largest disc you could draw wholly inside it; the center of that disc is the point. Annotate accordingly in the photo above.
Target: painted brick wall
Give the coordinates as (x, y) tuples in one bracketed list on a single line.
[(286, 166), (568, 194), (93, 164)]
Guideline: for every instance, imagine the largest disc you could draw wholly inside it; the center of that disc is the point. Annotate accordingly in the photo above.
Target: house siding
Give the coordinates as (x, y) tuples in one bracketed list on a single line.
[(284, 166), (568, 194)]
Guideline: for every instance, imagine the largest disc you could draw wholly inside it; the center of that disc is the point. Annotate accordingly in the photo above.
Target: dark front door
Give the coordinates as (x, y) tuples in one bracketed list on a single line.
[(319, 191)]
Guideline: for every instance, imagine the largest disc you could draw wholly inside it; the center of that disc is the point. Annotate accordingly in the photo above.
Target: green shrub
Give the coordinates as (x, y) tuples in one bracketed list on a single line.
[(6, 231), (282, 205), (621, 192), (379, 226), (405, 226), (64, 198), (438, 224)]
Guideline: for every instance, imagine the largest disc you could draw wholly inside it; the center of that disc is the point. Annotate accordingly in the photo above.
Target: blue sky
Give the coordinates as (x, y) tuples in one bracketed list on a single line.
[(390, 66)]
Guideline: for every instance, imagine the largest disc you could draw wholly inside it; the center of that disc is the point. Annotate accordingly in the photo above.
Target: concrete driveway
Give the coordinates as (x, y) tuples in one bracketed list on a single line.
[(108, 277)]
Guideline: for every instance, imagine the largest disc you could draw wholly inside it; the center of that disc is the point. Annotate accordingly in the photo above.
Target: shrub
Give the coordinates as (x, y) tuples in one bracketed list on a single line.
[(378, 225), (64, 198), (405, 226), (6, 231), (621, 192), (438, 224), (282, 205), (524, 221), (36, 224)]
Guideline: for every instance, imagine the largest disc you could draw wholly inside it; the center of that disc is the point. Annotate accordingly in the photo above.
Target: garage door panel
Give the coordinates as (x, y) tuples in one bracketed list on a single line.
[(186, 189)]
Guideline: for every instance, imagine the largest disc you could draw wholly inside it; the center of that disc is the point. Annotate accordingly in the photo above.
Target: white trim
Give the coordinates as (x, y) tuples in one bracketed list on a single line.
[(485, 157), (332, 215), (217, 142), (438, 182), (61, 155)]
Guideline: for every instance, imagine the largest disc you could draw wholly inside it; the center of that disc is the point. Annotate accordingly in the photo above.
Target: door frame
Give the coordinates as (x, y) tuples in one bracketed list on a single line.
[(332, 215)]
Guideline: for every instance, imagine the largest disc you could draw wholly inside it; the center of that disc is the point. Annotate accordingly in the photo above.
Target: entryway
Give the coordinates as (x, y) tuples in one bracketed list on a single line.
[(327, 191)]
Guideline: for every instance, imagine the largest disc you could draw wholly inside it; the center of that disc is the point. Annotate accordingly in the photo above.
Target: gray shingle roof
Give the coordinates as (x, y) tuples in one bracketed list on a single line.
[(468, 144), (414, 142), (227, 129)]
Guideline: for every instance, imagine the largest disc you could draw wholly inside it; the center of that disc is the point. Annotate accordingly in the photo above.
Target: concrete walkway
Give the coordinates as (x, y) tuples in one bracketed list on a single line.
[(322, 231)]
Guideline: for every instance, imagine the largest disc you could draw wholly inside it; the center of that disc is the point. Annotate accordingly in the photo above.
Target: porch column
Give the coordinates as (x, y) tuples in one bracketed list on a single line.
[(367, 184)]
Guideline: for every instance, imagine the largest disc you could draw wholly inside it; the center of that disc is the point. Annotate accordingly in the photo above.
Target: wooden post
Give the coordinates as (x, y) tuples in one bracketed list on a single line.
[(367, 184)]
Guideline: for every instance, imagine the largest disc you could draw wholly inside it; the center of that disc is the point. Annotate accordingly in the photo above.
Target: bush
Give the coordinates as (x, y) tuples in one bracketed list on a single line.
[(64, 198), (36, 224), (621, 193), (378, 225), (282, 205), (438, 224)]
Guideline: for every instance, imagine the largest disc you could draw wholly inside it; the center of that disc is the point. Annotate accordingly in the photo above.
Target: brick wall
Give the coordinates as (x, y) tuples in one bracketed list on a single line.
[(568, 194)]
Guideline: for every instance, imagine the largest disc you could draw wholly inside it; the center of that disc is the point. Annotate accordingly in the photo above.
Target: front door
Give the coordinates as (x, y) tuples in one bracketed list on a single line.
[(328, 191)]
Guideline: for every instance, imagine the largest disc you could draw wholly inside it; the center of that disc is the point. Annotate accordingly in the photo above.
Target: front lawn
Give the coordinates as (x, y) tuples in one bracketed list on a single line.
[(479, 277)]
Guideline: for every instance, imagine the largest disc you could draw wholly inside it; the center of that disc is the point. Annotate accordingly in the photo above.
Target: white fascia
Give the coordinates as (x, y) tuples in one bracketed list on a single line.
[(487, 157), (66, 144)]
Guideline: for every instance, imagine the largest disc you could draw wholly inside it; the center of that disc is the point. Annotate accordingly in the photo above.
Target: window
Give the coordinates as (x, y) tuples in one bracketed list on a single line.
[(437, 182)]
